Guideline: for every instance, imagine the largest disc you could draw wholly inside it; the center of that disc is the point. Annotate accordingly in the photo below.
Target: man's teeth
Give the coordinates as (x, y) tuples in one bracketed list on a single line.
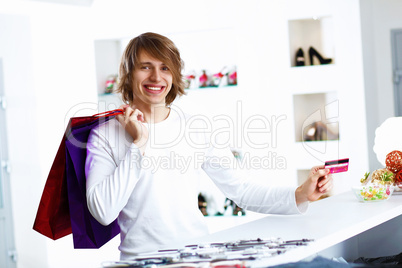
[(154, 88)]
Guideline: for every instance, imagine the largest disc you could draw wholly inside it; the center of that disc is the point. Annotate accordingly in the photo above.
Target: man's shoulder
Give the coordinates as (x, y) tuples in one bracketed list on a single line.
[(109, 129), (109, 124)]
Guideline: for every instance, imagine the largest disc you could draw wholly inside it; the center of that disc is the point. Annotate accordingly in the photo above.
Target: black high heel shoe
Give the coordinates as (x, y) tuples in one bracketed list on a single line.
[(300, 60), (312, 52)]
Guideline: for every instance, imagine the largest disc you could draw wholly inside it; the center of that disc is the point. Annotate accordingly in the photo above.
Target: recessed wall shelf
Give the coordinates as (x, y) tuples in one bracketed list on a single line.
[(316, 33), (316, 116)]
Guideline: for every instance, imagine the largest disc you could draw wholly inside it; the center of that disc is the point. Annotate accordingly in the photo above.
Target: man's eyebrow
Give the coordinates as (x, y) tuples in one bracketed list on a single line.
[(150, 63)]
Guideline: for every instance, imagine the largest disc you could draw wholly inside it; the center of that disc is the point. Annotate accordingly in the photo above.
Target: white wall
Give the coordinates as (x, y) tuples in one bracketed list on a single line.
[(21, 116), (378, 19)]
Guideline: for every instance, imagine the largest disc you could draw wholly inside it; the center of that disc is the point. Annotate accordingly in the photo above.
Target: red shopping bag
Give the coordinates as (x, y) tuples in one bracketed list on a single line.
[(53, 216)]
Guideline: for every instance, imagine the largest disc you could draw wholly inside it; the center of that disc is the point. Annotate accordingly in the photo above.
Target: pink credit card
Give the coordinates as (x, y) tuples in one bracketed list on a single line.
[(336, 166)]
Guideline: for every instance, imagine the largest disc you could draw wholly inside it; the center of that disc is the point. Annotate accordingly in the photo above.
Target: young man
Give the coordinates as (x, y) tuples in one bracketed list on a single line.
[(134, 164)]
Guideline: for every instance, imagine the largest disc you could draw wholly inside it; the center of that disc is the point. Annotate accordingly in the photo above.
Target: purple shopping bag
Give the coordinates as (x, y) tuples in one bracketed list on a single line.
[(87, 231)]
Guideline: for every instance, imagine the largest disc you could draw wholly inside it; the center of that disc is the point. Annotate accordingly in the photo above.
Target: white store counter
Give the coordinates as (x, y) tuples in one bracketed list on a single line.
[(340, 225)]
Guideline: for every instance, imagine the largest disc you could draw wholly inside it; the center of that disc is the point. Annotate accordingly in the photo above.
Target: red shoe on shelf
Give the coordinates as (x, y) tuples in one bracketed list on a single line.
[(203, 79)]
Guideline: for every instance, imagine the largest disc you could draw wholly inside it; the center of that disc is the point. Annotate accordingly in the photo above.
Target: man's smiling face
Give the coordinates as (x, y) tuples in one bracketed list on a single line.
[(152, 80)]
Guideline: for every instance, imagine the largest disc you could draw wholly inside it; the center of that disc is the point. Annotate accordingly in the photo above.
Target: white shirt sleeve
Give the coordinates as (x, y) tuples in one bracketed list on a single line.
[(249, 194), (110, 181)]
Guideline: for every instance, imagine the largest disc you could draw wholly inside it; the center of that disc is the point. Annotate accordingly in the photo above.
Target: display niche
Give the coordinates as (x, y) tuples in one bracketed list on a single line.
[(107, 60), (316, 117), (311, 42)]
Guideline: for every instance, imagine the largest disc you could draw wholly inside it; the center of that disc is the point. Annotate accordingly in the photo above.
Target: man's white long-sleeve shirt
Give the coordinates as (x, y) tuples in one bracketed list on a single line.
[(154, 196)]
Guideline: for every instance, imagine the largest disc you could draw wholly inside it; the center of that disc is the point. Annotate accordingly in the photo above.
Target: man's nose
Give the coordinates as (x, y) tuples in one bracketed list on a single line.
[(155, 75)]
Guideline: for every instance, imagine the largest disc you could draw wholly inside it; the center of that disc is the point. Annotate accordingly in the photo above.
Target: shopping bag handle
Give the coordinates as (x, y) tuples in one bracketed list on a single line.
[(109, 113)]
